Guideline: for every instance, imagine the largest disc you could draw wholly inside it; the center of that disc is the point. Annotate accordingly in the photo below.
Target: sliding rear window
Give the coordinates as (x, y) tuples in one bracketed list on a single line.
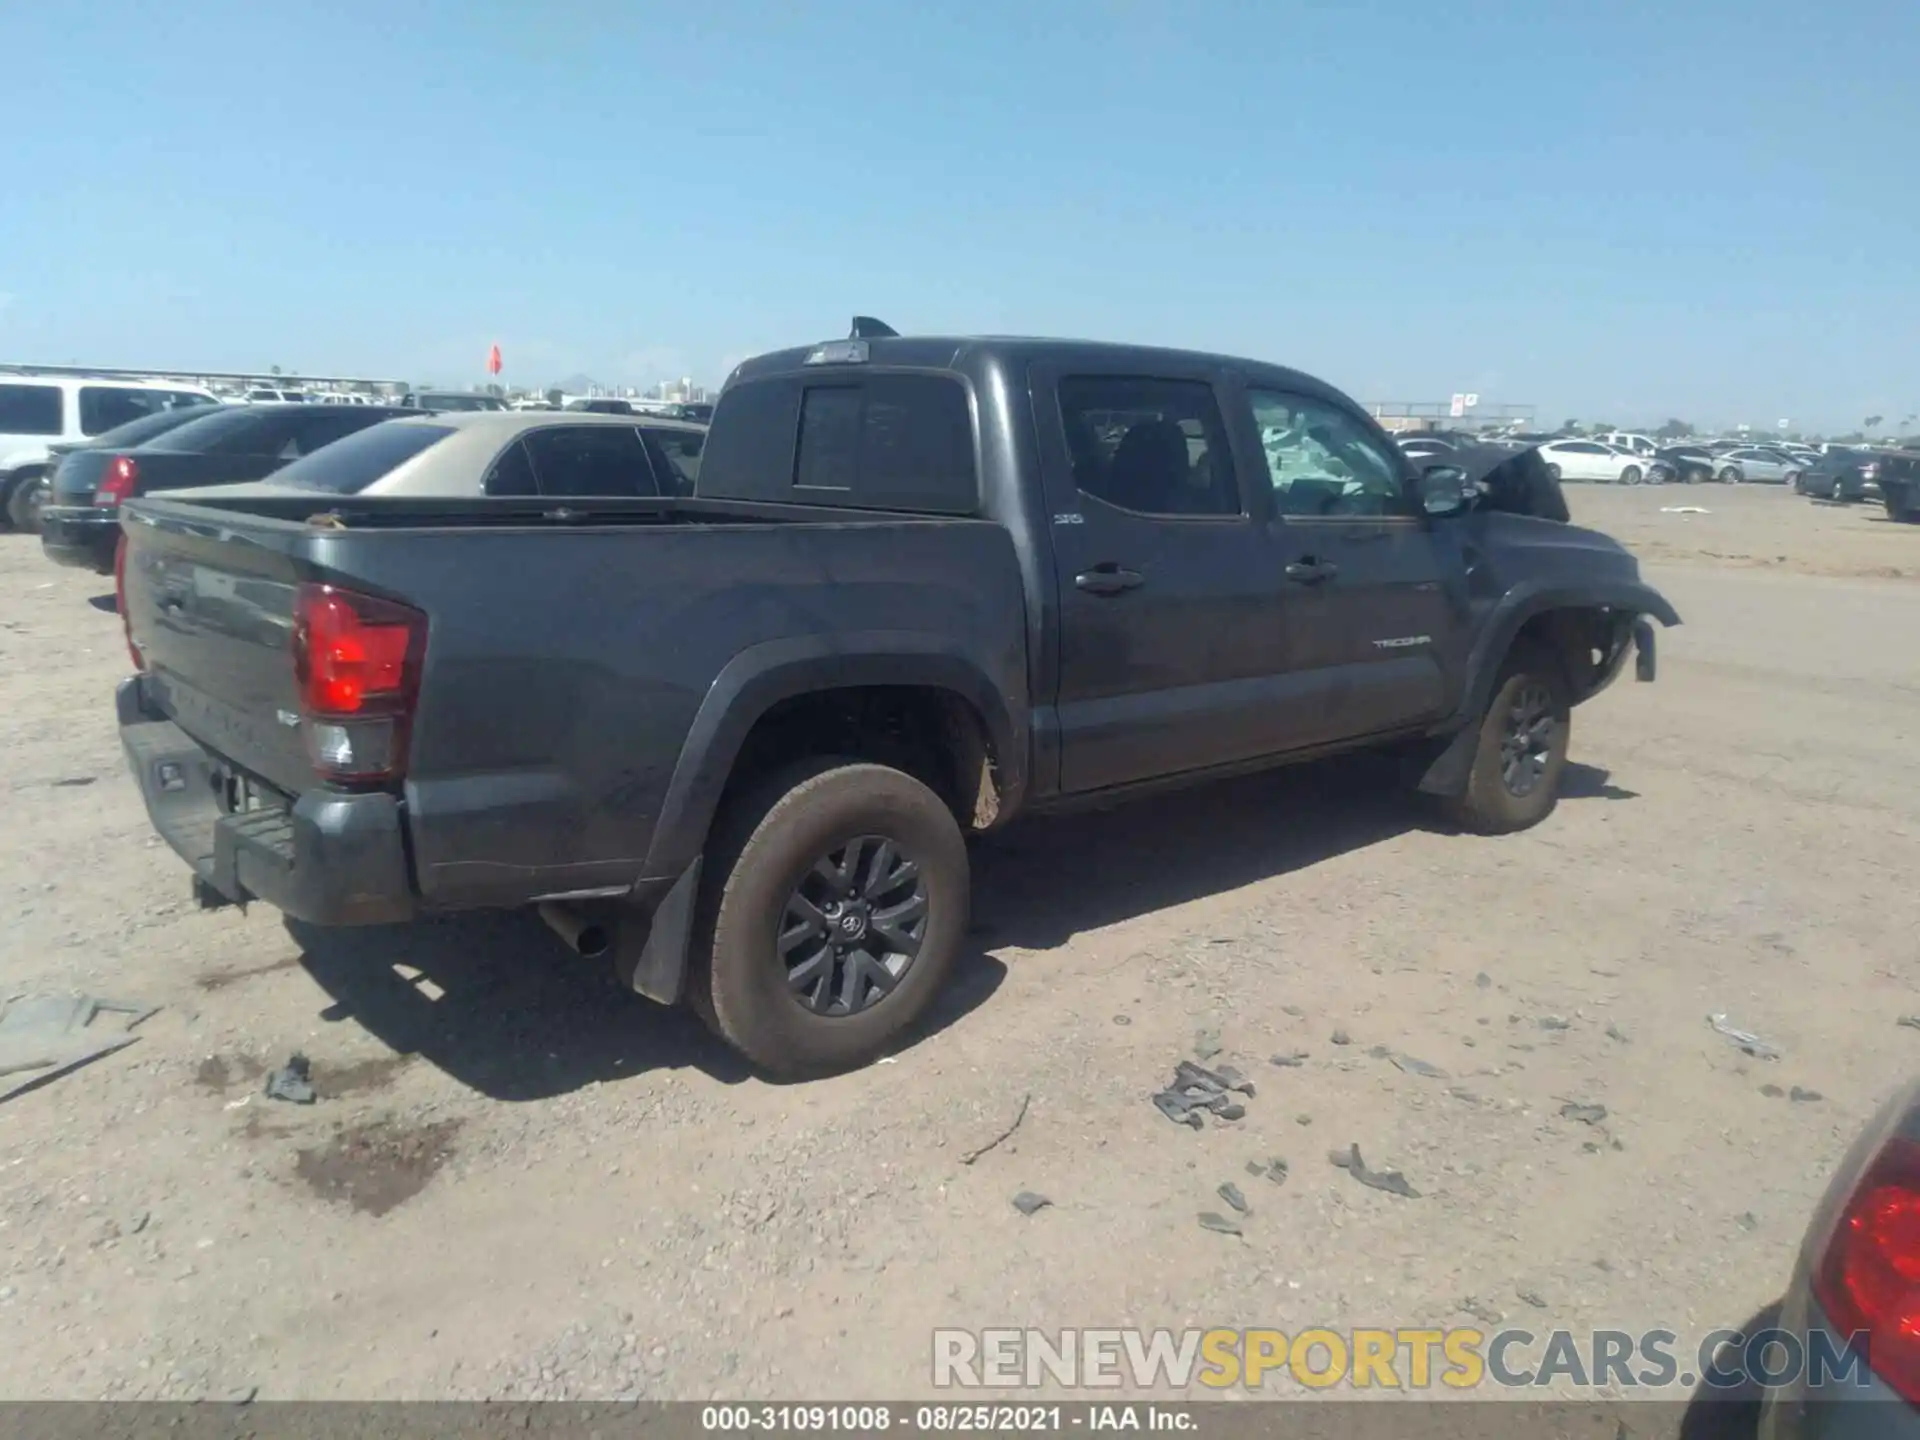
[(899, 442), (348, 466)]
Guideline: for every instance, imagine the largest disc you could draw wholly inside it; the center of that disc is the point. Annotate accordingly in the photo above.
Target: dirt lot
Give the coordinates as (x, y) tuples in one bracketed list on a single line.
[(518, 1182)]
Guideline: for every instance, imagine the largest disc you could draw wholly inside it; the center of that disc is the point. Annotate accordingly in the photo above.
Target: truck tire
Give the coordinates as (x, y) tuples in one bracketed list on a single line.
[(1522, 749), (837, 902)]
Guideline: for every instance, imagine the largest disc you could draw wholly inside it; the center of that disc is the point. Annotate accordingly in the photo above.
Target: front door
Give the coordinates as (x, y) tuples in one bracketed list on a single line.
[(1370, 618), (1172, 650)]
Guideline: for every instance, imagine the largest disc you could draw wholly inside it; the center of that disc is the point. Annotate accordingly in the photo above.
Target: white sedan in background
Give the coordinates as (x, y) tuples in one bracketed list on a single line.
[(1592, 460)]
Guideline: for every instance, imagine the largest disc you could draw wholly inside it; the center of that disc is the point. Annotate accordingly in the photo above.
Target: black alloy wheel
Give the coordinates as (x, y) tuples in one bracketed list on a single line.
[(1527, 739), (853, 926)]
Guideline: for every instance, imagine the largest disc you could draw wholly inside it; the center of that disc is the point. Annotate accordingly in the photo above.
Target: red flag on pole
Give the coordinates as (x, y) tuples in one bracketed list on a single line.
[(493, 361)]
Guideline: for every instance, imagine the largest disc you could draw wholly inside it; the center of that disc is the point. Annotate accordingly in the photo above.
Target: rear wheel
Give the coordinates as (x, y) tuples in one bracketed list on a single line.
[(1730, 476), (1630, 475), (1839, 491), (836, 906), (23, 505), (1522, 748)]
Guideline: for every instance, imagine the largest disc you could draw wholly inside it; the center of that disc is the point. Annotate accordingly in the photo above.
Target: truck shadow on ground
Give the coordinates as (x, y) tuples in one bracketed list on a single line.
[(504, 1008), (499, 1004)]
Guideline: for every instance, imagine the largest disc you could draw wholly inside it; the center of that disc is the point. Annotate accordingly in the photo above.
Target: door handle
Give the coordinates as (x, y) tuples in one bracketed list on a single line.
[(1108, 579), (1311, 572)]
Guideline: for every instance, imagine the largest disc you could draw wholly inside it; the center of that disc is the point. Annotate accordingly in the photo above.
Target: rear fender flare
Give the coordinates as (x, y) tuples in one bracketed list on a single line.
[(763, 675)]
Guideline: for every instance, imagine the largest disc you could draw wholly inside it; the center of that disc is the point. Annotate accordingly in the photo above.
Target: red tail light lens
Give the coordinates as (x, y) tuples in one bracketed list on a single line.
[(1868, 1279), (357, 660), (122, 475), (120, 600)]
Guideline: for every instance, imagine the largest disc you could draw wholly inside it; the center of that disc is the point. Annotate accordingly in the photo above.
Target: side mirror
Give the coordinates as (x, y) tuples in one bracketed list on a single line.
[(1444, 490)]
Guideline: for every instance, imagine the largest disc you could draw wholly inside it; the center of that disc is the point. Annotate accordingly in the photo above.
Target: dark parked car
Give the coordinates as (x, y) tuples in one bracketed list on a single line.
[(121, 437), (1841, 474), (1898, 475), (80, 524), (735, 742), (1688, 463), (697, 410)]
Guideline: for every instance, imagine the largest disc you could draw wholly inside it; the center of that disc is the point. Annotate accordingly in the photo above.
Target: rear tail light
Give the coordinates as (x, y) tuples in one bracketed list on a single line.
[(122, 475), (1870, 470), (357, 661), (1868, 1277), (120, 600)]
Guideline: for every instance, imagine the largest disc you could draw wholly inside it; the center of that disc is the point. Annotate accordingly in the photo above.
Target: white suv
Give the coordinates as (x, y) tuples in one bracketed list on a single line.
[(39, 411)]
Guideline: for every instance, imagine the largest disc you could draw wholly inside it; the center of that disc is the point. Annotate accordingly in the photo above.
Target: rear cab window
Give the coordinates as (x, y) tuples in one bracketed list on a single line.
[(346, 467), (29, 409), (877, 440)]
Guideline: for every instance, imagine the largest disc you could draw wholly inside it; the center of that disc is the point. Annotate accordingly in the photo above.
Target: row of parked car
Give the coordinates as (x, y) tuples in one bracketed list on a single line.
[(71, 448), (1841, 473)]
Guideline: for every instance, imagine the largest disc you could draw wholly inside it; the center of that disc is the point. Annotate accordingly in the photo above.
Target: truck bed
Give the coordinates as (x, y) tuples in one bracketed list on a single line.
[(570, 651)]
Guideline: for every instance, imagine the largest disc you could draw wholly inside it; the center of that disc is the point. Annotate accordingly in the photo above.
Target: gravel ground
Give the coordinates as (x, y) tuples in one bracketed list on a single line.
[(518, 1182)]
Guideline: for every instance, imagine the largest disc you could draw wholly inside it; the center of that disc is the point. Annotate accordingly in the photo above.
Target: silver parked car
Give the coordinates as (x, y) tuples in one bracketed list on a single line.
[(1758, 462), (498, 453)]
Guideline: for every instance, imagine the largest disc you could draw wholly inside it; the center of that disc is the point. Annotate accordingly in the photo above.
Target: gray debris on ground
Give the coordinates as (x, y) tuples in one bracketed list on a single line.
[(1614, 1032), (1554, 1022), (1391, 1181), (1804, 1097), (42, 1036), (1413, 1066), (1206, 1044), (1584, 1113), (1197, 1091), (1912, 1022), (1340, 1037), (1291, 1061), (1273, 1169), (1219, 1224), (1028, 1202), (1746, 1040), (1531, 1297), (292, 1082), (1231, 1193), (1481, 1311)]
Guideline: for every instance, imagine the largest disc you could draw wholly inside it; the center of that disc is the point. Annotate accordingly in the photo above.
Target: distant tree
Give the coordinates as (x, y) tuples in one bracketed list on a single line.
[(1569, 426), (556, 396), (273, 369), (1872, 422), (1673, 430)]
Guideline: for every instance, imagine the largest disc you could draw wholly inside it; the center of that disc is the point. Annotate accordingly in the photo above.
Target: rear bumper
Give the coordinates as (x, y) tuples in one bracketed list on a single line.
[(80, 536), (328, 859)]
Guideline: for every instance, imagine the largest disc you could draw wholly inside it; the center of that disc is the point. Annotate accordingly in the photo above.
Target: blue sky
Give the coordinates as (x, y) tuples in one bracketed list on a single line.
[(1612, 210)]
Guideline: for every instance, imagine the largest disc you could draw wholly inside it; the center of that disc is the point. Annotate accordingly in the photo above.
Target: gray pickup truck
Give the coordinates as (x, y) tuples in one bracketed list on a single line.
[(735, 742)]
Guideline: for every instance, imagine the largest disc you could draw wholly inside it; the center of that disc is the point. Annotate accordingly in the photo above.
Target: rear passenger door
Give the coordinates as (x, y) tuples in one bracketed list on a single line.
[(1172, 651)]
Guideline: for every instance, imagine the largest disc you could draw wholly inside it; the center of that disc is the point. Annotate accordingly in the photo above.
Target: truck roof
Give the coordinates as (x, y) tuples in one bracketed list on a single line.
[(967, 354)]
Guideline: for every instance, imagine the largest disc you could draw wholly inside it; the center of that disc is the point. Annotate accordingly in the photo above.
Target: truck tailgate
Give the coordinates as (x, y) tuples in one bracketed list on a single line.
[(209, 608)]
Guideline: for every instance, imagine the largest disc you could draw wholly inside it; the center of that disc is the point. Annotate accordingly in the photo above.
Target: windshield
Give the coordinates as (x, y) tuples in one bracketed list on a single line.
[(348, 466)]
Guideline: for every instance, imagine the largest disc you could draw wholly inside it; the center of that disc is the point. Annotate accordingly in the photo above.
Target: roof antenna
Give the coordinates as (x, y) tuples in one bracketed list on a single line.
[(865, 327)]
